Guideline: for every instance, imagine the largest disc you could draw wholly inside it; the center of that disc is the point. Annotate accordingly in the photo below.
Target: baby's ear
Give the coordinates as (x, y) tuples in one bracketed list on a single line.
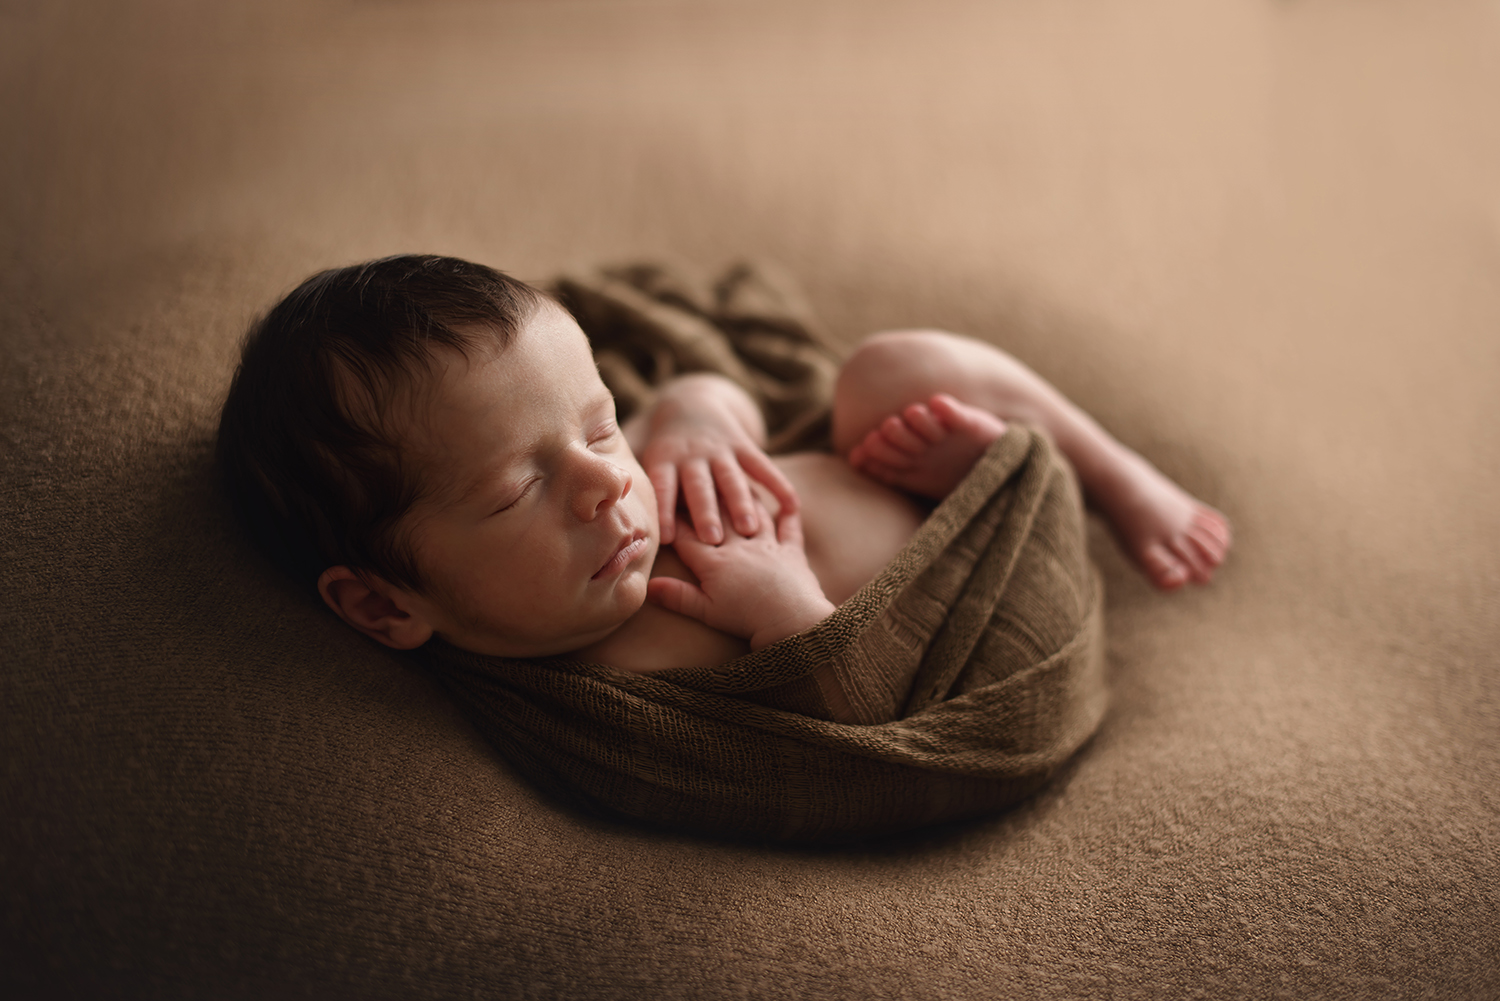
[(377, 609)]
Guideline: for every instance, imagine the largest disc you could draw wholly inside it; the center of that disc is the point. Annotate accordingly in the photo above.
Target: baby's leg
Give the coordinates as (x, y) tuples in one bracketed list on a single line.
[(928, 447)]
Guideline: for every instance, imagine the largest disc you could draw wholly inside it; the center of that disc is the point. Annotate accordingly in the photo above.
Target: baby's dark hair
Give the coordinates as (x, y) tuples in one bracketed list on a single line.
[(308, 448)]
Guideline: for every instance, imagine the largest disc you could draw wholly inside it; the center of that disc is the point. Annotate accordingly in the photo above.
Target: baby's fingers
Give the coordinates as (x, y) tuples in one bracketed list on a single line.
[(678, 596), (759, 465), (735, 489), (663, 476), (702, 500), (789, 529)]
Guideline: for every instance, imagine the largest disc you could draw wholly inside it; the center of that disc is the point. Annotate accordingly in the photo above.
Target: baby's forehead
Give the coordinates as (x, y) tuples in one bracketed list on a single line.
[(477, 412)]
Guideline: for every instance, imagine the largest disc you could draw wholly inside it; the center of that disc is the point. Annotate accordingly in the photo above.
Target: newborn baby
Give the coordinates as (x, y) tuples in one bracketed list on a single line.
[(430, 441)]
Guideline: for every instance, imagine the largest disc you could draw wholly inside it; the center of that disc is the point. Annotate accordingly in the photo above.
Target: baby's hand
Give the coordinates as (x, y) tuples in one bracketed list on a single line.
[(699, 441), (758, 586)]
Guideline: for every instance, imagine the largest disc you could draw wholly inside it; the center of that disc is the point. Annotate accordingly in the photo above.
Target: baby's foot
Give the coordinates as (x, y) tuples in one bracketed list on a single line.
[(928, 447), (1174, 537)]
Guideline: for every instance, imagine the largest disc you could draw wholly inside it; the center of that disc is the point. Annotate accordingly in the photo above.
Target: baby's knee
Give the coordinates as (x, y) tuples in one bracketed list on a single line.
[(893, 347), (892, 351), (906, 359), (888, 371)]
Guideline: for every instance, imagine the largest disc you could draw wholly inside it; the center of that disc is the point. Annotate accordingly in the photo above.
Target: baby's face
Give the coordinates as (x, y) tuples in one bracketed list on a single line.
[(541, 530)]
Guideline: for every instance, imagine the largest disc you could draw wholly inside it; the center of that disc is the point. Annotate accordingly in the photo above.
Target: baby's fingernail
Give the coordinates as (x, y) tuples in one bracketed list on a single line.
[(747, 526), (714, 534)]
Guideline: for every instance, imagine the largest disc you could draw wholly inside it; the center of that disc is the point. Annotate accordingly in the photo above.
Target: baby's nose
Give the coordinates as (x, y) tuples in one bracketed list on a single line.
[(605, 485)]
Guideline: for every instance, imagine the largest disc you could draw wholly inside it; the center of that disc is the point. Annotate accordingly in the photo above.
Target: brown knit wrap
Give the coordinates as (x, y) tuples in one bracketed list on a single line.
[(974, 661), (648, 323)]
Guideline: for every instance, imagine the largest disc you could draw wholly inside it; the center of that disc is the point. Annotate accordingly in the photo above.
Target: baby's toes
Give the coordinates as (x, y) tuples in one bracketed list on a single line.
[(946, 411), (877, 448), (1213, 547), (960, 418), (1199, 566), (1164, 568), (899, 434), (922, 421), (1213, 528)]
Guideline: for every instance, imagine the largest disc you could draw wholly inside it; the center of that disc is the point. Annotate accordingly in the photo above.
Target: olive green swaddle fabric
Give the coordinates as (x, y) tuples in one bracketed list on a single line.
[(973, 662)]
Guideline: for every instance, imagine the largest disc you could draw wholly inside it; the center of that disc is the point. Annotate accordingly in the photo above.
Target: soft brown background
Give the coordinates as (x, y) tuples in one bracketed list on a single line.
[(1259, 240)]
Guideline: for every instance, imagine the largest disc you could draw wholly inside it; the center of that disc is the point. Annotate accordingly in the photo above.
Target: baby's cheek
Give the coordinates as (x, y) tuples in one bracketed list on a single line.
[(641, 485)]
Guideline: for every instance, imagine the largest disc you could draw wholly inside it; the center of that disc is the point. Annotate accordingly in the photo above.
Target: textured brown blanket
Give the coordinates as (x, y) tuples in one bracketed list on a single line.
[(648, 323), (973, 662)]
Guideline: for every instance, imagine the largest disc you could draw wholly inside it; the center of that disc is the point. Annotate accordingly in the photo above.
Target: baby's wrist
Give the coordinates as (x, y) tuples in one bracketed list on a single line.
[(806, 615), (705, 397)]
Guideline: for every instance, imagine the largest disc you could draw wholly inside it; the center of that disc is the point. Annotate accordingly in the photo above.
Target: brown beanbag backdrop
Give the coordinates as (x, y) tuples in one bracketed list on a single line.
[(1259, 240)]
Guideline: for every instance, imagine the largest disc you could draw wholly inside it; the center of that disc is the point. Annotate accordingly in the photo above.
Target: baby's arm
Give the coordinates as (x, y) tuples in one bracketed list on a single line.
[(756, 586), (705, 434)]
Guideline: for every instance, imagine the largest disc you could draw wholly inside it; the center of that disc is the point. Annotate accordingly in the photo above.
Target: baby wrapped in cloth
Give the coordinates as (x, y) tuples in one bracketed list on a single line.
[(973, 662)]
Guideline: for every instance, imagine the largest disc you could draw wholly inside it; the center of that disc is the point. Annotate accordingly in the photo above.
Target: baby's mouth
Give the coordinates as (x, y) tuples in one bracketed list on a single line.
[(630, 548)]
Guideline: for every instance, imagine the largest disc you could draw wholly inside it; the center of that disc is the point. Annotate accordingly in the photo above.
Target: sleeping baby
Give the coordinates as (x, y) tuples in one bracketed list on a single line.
[(431, 442)]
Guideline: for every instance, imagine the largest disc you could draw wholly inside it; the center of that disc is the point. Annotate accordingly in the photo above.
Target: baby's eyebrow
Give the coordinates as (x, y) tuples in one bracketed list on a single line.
[(475, 486), (604, 401), (492, 476), (489, 479)]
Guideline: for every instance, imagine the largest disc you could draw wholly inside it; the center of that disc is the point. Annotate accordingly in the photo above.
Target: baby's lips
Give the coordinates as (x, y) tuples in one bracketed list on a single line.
[(623, 553)]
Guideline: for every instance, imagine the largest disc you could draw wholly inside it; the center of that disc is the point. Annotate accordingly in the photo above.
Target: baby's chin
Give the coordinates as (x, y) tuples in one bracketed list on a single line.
[(606, 613), (631, 594), (626, 598)]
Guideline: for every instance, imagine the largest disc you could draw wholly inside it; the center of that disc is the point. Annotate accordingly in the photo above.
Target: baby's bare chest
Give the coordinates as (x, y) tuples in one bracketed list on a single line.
[(853, 525)]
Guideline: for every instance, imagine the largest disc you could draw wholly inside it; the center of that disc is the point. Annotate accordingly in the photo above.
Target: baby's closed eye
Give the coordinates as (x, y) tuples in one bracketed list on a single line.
[(604, 434), (514, 498)]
